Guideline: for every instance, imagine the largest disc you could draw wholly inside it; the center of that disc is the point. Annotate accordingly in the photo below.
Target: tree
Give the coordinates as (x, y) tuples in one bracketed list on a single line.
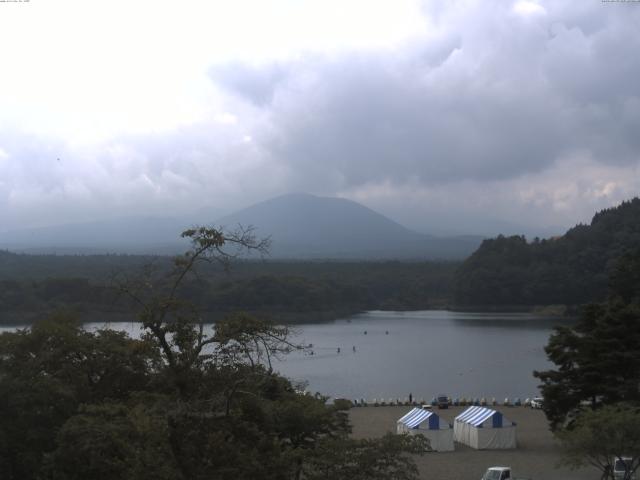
[(47, 372), (244, 338), (571, 269), (114, 440), (370, 459), (181, 403), (602, 437), (625, 278), (233, 416), (173, 324), (598, 359)]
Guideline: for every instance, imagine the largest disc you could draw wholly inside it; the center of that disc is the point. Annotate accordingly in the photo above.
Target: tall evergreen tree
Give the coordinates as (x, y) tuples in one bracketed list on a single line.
[(598, 359)]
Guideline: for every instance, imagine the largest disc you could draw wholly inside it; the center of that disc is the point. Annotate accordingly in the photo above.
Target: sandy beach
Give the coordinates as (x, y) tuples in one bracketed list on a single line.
[(536, 457)]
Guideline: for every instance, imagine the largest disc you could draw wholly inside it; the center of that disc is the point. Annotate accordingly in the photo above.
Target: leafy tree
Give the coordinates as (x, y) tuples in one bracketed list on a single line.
[(181, 403), (47, 372), (598, 359), (243, 338), (600, 437), (113, 440), (173, 324), (370, 459)]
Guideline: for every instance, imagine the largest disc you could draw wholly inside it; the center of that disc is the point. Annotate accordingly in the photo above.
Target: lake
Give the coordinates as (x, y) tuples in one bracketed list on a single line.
[(421, 352), (424, 353)]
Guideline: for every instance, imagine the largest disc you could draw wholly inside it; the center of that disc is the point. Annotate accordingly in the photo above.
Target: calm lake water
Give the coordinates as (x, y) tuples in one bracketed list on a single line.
[(425, 353), (422, 352)]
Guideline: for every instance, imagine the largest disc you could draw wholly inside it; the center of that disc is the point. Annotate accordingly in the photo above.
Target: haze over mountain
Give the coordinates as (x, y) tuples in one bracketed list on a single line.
[(135, 235), (300, 226), (308, 226)]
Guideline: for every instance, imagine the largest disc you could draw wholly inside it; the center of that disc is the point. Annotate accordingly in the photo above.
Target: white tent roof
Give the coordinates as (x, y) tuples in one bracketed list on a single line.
[(476, 416), (416, 416), (427, 423)]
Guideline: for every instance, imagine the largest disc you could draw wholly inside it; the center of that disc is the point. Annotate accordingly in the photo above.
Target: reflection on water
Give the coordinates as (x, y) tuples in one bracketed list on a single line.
[(391, 354)]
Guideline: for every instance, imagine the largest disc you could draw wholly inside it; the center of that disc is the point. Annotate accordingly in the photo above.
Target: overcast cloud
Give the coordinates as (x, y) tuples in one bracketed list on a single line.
[(460, 116)]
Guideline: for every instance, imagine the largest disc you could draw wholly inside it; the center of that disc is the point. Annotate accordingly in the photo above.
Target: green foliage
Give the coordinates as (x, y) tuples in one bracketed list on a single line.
[(295, 291), (371, 459), (572, 269), (77, 405), (48, 372), (342, 404), (182, 403), (600, 437), (243, 337), (625, 278), (113, 440), (598, 359)]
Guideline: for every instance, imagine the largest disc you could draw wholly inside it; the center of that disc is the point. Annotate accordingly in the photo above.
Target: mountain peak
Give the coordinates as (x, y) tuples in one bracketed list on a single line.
[(302, 225)]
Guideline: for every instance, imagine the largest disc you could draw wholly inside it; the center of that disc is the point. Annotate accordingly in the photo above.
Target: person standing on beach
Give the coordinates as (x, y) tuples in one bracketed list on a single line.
[(410, 398)]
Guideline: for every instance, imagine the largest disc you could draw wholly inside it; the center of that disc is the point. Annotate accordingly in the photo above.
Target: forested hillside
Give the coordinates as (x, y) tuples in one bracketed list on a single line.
[(287, 291), (572, 269)]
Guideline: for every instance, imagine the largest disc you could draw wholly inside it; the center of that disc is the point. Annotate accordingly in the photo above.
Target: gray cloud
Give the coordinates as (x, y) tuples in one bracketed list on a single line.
[(491, 113), (256, 83), (494, 97)]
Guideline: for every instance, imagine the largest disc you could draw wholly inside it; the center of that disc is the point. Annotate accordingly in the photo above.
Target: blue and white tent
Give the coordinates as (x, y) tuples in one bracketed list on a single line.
[(483, 428), (427, 423)]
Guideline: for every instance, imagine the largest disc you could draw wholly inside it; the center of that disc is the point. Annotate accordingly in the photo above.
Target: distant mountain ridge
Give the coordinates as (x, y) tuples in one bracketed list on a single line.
[(301, 226), (570, 269), (308, 226), (133, 235)]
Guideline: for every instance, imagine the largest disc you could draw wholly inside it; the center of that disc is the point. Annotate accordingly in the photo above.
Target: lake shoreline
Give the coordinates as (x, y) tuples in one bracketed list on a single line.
[(382, 354), (26, 318), (287, 317)]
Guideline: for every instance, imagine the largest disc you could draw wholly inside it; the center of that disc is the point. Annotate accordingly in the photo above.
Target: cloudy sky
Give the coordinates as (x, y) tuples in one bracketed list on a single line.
[(448, 116)]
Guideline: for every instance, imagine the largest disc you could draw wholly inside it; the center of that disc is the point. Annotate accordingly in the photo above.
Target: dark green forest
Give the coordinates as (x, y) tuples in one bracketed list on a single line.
[(288, 291), (572, 269), (505, 272)]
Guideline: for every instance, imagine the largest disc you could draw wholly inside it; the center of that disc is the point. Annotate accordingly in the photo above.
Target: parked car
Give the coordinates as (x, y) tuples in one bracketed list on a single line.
[(620, 466), (442, 401), (537, 402), (499, 473)]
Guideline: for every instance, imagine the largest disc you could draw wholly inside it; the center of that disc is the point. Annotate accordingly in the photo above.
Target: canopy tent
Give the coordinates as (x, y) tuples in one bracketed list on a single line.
[(427, 423), (483, 428)]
